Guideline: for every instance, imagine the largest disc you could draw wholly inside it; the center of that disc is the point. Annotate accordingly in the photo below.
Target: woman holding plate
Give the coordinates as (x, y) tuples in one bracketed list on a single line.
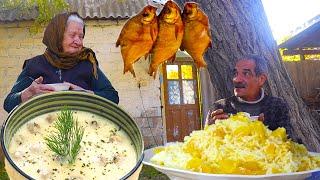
[(65, 61)]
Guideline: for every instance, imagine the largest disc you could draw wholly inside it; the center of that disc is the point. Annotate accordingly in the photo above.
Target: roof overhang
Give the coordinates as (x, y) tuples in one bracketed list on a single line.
[(308, 38), (87, 9)]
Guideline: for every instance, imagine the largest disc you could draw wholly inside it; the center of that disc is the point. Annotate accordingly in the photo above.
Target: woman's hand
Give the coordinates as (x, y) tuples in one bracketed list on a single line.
[(77, 88), (212, 116), (35, 88)]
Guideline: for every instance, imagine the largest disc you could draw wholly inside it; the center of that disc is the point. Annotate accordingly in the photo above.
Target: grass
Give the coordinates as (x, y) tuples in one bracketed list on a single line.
[(147, 172), (3, 174)]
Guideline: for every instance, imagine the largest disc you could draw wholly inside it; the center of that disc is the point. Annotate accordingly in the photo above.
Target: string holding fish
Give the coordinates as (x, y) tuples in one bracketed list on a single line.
[(162, 2), (137, 37)]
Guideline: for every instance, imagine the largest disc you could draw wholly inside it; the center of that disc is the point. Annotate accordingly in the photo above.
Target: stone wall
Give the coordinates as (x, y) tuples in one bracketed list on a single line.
[(139, 96)]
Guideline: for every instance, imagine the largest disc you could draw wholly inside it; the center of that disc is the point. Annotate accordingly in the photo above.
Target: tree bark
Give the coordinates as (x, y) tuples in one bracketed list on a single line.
[(241, 27)]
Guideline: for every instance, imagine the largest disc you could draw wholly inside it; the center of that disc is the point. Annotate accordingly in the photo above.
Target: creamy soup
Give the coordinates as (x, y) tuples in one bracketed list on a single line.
[(106, 150)]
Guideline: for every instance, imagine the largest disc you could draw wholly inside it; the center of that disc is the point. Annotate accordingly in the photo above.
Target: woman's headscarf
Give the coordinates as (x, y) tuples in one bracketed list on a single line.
[(53, 37)]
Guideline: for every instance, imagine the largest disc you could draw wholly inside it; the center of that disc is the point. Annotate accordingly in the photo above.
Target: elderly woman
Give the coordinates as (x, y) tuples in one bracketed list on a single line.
[(64, 61)]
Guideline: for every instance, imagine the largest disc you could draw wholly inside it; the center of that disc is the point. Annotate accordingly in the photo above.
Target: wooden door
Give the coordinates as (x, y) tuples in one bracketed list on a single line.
[(181, 99)]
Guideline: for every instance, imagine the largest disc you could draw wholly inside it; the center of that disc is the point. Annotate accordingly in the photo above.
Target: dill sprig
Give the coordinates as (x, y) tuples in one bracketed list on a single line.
[(65, 139)]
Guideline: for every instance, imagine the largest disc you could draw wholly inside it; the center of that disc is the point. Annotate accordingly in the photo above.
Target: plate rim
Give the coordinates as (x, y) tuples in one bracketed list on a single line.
[(146, 161)]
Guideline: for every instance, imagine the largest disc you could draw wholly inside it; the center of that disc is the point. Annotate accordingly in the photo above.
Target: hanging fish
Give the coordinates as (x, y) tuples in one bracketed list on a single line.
[(137, 37), (169, 37), (196, 38)]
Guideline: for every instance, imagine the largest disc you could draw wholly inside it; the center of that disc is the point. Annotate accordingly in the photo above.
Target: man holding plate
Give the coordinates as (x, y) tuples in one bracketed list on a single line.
[(249, 76)]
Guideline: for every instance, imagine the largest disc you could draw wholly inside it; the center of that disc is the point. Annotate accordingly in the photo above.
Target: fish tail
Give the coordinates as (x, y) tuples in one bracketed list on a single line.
[(146, 56), (172, 58), (200, 62), (132, 72), (129, 68), (118, 42), (152, 70)]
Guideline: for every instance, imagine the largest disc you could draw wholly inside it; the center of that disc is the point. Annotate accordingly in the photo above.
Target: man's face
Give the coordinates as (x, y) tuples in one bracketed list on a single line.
[(247, 84)]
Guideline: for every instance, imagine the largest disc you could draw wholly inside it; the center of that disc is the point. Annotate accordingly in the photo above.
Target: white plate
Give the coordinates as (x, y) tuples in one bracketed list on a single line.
[(183, 174), (254, 117), (60, 86)]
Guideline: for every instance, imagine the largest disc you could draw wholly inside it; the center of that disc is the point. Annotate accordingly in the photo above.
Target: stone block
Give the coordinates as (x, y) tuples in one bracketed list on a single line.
[(18, 33), (157, 131), (148, 142), (154, 141), (159, 140), (115, 49), (157, 122), (152, 112), (144, 122), (146, 131), (26, 44), (18, 51), (3, 52)]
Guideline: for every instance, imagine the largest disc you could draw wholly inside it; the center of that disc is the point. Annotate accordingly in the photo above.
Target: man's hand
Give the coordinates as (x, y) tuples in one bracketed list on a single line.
[(212, 116), (35, 88), (261, 117)]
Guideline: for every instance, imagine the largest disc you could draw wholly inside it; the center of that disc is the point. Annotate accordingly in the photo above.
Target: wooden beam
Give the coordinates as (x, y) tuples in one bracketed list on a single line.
[(301, 51)]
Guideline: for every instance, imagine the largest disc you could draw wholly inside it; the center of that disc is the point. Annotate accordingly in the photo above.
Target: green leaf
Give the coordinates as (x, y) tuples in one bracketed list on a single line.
[(47, 9), (66, 137)]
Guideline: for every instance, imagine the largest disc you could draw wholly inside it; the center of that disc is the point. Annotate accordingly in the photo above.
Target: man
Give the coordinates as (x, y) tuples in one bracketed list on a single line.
[(249, 76)]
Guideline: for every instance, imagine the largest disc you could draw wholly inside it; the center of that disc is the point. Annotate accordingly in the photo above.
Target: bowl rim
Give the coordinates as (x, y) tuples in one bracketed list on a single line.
[(3, 127)]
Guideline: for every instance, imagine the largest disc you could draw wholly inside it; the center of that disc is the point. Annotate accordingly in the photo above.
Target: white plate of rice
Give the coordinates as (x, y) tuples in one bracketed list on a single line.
[(178, 174)]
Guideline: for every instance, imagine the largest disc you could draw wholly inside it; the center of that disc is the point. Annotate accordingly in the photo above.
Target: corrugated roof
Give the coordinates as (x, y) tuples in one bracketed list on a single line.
[(308, 38), (89, 9), (17, 14)]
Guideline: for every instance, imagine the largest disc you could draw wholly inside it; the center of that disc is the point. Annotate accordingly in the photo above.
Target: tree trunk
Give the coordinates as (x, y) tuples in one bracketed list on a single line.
[(241, 27)]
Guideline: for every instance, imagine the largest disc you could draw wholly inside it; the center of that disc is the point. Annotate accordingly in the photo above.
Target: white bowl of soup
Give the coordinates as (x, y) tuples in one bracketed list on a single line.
[(111, 146)]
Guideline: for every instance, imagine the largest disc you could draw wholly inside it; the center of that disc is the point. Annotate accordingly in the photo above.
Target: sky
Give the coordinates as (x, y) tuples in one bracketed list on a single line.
[(286, 15)]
